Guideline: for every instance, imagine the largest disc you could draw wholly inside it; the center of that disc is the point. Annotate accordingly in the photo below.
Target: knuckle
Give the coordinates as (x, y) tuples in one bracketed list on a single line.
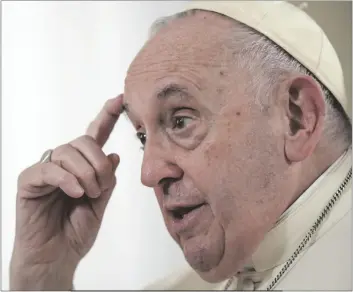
[(104, 167), (88, 174), (22, 177), (87, 138), (66, 178), (44, 169), (60, 151)]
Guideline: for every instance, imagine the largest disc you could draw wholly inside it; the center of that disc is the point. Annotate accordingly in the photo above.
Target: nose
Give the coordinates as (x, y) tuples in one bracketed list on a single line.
[(158, 164)]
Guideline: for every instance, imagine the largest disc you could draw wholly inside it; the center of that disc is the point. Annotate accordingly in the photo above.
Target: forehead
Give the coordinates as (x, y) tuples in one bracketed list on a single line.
[(199, 36), (193, 49)]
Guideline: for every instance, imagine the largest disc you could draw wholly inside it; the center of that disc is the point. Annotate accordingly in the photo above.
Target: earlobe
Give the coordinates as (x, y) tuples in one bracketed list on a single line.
[(296, 149), (305, 110)]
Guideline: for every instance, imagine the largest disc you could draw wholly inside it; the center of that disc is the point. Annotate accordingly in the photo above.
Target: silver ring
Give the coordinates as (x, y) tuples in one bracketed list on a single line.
[(46, 157)]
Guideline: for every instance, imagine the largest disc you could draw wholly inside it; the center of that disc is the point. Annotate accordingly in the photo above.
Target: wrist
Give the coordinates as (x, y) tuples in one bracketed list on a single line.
[(41, 276)]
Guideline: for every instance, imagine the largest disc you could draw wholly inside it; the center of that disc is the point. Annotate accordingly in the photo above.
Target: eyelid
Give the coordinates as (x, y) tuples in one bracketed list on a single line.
[(184, 112), (177, 109)]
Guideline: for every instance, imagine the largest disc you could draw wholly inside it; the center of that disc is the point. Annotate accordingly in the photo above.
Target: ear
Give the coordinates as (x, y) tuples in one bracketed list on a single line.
[(305, 113)]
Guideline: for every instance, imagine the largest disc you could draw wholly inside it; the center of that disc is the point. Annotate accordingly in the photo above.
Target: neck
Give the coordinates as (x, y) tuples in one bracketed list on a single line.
[(312, 168)]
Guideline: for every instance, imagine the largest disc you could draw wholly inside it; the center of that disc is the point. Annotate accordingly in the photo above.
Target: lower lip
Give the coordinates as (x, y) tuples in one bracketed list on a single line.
[(188, 221)]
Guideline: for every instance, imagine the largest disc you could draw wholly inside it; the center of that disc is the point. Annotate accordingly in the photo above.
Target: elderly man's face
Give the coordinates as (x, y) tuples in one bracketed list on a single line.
[(214, 159)]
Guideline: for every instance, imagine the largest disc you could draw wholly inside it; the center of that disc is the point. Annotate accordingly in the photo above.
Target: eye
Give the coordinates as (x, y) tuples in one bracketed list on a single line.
[(141, 137), (181, 122)]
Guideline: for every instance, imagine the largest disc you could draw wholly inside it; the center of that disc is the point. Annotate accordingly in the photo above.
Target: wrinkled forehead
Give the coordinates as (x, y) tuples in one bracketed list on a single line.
[(194, 48), (198, 35)]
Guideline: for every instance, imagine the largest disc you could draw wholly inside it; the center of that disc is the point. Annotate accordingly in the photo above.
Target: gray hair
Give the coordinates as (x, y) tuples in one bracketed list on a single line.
[(254, 51)]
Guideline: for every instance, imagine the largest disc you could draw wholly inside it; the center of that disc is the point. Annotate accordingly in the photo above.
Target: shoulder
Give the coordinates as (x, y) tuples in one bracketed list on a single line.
[(327, 263)]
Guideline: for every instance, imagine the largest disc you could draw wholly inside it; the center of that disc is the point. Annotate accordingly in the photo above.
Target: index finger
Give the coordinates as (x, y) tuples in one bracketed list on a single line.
[(102, 126)]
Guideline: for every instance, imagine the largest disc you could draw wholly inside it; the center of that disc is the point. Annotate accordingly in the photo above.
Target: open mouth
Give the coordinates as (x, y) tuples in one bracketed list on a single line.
[(180, 212)]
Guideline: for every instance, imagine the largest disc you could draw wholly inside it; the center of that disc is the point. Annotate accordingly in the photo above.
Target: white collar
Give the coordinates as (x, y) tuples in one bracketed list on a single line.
[(282, 240)]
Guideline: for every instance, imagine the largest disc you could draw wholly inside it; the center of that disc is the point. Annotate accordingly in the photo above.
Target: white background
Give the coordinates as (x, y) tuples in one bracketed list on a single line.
[(60, 62)]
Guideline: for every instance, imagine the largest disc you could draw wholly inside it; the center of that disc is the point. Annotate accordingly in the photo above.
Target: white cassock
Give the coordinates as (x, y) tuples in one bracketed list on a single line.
[(324, 262)]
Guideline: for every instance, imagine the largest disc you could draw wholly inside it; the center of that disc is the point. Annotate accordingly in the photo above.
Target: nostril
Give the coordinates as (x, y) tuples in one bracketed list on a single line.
[(165, 183)]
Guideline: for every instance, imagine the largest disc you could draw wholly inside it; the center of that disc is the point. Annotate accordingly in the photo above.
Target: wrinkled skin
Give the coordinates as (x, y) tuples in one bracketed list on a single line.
[(225, 151)]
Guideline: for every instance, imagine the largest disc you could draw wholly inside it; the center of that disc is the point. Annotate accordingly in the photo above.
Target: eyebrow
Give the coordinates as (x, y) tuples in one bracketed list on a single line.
[(172, 89), (164, 93)]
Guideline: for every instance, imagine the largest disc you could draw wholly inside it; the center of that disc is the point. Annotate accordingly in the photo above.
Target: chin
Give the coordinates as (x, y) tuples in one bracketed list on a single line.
[(219, 273), (206, 255), (210, 259)]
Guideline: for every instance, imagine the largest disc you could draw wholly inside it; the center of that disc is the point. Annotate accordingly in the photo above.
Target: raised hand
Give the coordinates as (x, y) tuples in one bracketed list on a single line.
[(60, 206)]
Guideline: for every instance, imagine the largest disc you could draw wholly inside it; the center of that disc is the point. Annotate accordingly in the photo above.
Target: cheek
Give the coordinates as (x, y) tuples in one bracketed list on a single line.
[(233, 170), (213, 175)]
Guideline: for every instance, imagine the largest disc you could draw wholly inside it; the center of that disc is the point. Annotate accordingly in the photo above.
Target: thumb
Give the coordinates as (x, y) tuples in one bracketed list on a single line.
[(115, 160)]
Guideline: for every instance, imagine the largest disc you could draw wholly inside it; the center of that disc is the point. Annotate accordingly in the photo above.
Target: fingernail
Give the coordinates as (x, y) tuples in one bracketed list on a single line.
[(95, 196), (117, 162), (79, 191)]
